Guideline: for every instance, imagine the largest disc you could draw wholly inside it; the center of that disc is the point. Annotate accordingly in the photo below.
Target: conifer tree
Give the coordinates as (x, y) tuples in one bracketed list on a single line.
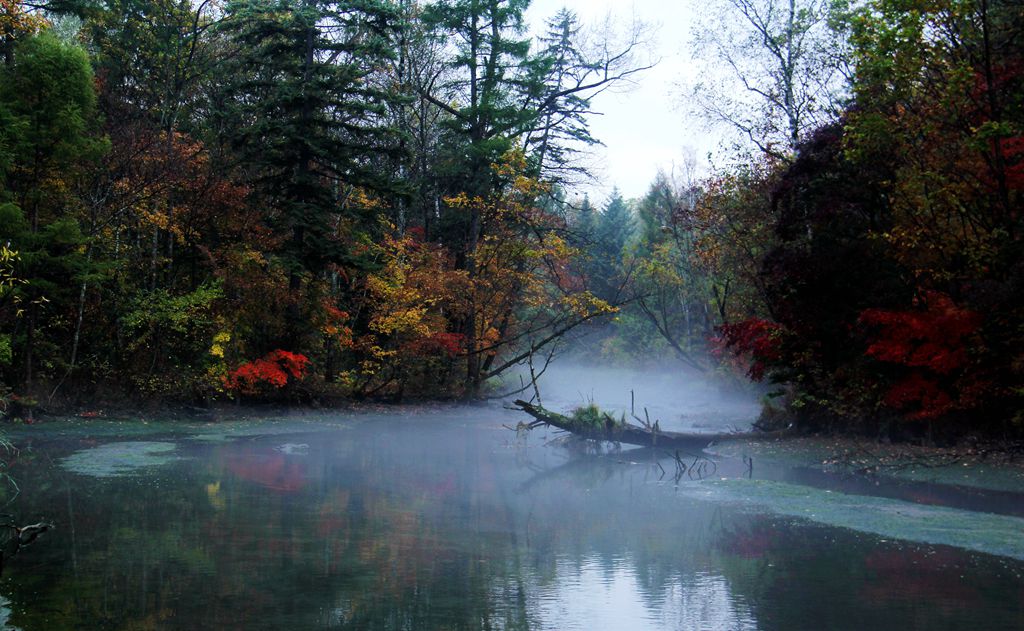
[(47, 93), (561, 133), (306, 113), (585, 224), (612, 230)]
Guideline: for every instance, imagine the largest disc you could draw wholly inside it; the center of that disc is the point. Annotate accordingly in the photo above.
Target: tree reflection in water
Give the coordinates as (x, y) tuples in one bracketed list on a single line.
[(440, 524)]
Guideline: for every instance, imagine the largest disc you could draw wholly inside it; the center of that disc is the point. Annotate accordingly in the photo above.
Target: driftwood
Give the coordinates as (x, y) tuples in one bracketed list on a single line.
[(621, 431)]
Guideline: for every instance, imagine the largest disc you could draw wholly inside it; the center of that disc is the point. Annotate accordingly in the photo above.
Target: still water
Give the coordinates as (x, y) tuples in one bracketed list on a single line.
[(442, 518)]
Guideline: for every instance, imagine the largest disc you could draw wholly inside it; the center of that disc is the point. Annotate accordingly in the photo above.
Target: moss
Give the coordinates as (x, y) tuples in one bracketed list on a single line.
[(587, 416), (591, 417)]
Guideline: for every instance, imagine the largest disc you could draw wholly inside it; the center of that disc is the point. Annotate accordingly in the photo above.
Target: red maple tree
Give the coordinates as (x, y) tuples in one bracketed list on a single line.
[(933, 342), (272, 370)]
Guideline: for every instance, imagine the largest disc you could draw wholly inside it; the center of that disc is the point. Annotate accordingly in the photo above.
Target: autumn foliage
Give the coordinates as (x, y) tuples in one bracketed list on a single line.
[(933, 338), (933, 343), (270, 372), (185, 186), (756, 339)]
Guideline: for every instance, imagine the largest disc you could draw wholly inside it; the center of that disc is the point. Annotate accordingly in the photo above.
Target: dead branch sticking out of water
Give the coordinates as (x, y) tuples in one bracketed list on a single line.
[(700, 468), (621, 431)]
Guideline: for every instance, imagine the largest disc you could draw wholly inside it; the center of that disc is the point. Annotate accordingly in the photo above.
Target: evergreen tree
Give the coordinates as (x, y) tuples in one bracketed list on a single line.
[(499, 96), (561, 131), (307, 116), (492, 73), (151, 55), (585, 224), (47, 94), (612, 230)]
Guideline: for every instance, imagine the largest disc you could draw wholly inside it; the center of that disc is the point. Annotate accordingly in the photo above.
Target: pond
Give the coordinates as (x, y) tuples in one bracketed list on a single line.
[(442, 518)]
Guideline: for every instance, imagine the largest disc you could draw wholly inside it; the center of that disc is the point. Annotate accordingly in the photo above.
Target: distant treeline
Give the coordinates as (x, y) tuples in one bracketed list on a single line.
[(305, 199)]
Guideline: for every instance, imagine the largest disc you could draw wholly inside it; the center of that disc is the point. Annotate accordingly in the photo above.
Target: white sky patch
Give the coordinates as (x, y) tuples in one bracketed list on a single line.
[(645, 128)]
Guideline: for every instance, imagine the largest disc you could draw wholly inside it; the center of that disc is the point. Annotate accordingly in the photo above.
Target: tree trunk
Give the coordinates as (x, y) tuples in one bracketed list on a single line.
[(622, 432)]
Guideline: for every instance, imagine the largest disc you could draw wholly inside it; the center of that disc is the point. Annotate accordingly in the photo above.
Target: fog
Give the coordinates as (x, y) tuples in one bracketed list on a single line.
[(439, 516), (678, 397)]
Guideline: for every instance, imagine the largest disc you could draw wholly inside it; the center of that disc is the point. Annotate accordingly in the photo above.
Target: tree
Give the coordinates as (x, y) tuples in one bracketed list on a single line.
[(16, 22), (672, 292), (504, 92), (584, 224), (142, 206), (824, 269), (784, 70), (48, 96), (523, 294), (407, 346), (562, 133), (307, 118), (497, 95), (613, 228), (493, 73), (938, 96), (888, 282), (419, 66), (151, 57)]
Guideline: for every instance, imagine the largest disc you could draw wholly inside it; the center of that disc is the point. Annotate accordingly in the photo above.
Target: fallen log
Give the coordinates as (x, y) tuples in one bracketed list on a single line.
[(620, 431)]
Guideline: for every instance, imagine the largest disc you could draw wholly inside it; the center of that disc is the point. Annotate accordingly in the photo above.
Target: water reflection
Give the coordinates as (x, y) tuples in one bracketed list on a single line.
[(440, 523)]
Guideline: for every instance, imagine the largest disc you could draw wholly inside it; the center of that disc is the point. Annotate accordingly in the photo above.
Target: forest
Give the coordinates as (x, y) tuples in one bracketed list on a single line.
[(331, 200)]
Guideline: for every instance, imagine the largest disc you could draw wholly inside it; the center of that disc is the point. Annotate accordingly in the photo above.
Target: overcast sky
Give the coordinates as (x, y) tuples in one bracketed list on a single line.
[(645, 128)]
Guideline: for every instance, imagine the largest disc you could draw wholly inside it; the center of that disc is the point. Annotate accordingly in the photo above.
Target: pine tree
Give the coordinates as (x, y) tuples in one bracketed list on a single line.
[(584, 226), (306, 114), (612, 230), (492, 73), (562, 130)]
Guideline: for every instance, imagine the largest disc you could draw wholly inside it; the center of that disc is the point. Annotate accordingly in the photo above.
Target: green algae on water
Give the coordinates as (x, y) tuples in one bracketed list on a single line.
[(981, 532), (118, 459), (896, 462)]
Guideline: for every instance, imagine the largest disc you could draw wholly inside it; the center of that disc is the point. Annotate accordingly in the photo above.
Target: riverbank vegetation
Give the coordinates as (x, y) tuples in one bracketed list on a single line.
[(305, 200)]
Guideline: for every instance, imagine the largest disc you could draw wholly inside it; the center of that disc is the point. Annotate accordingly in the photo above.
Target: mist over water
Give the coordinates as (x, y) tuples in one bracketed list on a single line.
[(681, 399), (442, 517)]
